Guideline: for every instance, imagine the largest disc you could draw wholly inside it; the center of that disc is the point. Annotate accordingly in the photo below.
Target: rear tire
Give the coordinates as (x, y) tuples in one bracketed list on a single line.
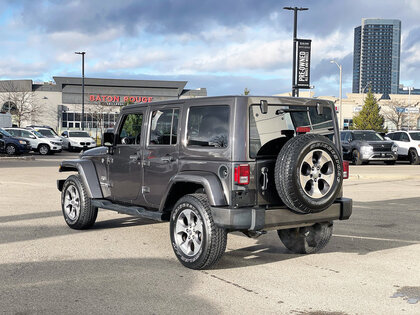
[(76, 205), (308, 239), (197, 242), (413, 157)]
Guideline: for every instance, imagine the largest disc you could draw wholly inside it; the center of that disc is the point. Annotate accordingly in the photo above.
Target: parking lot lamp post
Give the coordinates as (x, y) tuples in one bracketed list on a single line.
[(83, 86), (295, 90), (340, 67), (409, 89)]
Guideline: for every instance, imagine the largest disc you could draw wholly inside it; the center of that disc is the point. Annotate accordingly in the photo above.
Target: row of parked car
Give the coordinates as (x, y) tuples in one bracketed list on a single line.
[(363, 146), (42, 139)]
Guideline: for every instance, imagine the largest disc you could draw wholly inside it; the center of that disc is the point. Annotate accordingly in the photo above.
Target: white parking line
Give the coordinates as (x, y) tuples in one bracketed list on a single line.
[(377, 239)]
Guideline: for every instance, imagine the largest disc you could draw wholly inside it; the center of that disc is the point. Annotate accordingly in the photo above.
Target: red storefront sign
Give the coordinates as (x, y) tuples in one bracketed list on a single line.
[(118, 99)]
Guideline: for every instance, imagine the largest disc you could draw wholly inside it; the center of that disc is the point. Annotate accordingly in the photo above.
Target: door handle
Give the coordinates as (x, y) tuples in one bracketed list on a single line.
[(167, 158)]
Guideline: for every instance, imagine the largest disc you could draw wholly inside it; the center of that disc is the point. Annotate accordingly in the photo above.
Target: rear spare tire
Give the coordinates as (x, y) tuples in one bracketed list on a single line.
[(308, 173)]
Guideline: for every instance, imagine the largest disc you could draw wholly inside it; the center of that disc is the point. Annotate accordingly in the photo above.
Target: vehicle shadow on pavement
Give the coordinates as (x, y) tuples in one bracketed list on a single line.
[(100, 286), (29, 216), (123, 222), (374, 226)]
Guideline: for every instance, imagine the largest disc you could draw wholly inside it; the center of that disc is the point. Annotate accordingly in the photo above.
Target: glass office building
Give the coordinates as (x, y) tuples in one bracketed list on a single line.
[(376, 57)]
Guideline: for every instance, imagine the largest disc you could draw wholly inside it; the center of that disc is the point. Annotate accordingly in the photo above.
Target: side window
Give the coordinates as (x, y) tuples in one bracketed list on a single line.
[(348, 136), (25, 133), (342, 135), (390, 136), (208, 126), (14, 132), (164, 127), (404, 137), (397, 136), (64, 134), (130, 132)]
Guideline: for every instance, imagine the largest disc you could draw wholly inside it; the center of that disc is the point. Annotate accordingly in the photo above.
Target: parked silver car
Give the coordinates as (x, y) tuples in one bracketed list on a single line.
[(38, 142)]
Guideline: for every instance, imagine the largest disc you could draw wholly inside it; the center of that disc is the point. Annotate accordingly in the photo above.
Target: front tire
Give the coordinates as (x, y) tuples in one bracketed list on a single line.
[(11, 149), (356, 158), (44, 149), (76, 205), (413, 157), (197, 242), (308, 239)]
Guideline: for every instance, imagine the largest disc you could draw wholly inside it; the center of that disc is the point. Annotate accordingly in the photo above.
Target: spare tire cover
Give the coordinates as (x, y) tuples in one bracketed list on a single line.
[(309, 173)]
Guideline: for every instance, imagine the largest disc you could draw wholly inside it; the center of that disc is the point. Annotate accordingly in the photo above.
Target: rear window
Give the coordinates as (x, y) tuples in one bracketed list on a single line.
[(280, 120), (208, 126)]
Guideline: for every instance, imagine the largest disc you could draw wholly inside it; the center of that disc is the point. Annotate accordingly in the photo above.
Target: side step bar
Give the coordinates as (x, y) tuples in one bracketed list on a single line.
[(130, 210)]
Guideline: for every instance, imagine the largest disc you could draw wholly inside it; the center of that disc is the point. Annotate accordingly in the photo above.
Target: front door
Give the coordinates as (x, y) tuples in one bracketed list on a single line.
[(125, 169), (161, 155)]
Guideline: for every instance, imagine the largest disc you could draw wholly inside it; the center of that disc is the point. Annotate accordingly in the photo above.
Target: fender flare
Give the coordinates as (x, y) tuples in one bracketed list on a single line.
[(87, 172), (211, 183)]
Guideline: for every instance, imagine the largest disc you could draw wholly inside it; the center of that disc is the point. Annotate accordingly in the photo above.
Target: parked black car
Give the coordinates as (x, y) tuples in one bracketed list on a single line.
[(12, 145), (363, 146), (216, 165)]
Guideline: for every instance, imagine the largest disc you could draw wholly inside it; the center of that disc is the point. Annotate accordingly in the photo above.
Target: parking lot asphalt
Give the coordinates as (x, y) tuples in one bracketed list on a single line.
[(126, 264)]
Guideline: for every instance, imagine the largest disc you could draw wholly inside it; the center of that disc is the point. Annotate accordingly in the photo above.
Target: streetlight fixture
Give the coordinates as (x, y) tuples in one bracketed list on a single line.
[(83, 86), (409, 89), (340, 67), (295, 90)]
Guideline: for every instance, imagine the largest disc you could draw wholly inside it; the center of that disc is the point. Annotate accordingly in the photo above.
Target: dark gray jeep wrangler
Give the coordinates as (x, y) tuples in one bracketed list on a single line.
[(215, 165)]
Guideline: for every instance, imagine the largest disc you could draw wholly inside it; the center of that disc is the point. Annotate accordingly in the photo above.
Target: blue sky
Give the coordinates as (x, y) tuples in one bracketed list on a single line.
[(223, 46)]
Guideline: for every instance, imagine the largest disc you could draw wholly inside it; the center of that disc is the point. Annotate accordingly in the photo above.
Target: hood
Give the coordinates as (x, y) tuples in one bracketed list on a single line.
[(95, 152)]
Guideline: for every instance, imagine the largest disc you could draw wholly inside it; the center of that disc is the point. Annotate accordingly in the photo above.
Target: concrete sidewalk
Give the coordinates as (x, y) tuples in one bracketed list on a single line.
[(384, 172)]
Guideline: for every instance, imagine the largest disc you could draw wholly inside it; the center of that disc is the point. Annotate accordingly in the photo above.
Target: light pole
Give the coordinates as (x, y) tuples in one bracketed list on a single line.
[(83, 86), (409, 89), (295, 90), (340, 67)]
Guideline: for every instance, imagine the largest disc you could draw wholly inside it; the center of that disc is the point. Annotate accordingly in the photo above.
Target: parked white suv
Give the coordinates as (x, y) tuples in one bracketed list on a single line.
[(77, 140), (408, 143), (38, 142), (49, 133)]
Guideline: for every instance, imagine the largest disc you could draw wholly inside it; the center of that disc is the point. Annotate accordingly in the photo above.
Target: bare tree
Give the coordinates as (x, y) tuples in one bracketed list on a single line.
[(21, 102), (396, 113)]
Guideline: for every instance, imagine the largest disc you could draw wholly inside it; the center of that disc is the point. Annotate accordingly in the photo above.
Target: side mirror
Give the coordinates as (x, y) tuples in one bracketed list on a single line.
[(387, 138), (32, 137), (108, 139), (264, 106)]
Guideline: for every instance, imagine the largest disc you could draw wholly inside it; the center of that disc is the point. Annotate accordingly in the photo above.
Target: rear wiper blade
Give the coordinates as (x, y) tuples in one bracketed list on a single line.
[(291, 110)]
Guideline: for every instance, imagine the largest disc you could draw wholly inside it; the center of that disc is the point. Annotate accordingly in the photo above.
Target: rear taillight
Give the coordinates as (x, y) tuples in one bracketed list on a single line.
[(242, 174), (303, 129), (346, 170)]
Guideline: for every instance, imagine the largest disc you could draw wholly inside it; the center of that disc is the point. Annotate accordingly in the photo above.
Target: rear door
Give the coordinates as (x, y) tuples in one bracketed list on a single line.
[(125, 169), (160, 159)]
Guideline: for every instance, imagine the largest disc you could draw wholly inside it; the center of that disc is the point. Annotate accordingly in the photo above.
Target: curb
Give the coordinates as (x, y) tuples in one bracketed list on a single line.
[(383, 177), (22, 158)]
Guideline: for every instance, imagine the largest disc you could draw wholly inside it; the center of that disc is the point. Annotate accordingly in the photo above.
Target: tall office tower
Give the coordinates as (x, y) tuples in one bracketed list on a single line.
[(376, 57)]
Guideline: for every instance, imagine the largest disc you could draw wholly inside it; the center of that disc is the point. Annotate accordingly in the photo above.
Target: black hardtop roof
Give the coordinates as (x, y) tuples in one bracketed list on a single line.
[(287, 100)]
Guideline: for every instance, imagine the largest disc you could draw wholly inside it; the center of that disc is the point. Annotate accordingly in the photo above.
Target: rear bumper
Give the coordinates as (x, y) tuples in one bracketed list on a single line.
[(256, 219)]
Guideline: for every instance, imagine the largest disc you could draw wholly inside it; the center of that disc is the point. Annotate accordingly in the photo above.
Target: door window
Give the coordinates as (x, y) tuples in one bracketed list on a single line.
[(130, 132), (164, 127), (25, 134)]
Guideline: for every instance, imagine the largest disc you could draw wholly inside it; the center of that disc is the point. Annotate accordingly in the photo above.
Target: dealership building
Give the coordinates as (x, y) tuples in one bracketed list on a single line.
[(59, 104)]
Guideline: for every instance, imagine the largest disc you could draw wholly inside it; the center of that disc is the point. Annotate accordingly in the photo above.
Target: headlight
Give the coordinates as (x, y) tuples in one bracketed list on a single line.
[(395, 148), (366, 149), (22, 141)]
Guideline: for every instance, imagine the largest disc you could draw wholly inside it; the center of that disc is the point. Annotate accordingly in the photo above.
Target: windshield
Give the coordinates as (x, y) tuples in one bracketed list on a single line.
[(36, 133), (79, 134), (5, 133), (265, 130), (415, 135), (367, 136), (47, 133)]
